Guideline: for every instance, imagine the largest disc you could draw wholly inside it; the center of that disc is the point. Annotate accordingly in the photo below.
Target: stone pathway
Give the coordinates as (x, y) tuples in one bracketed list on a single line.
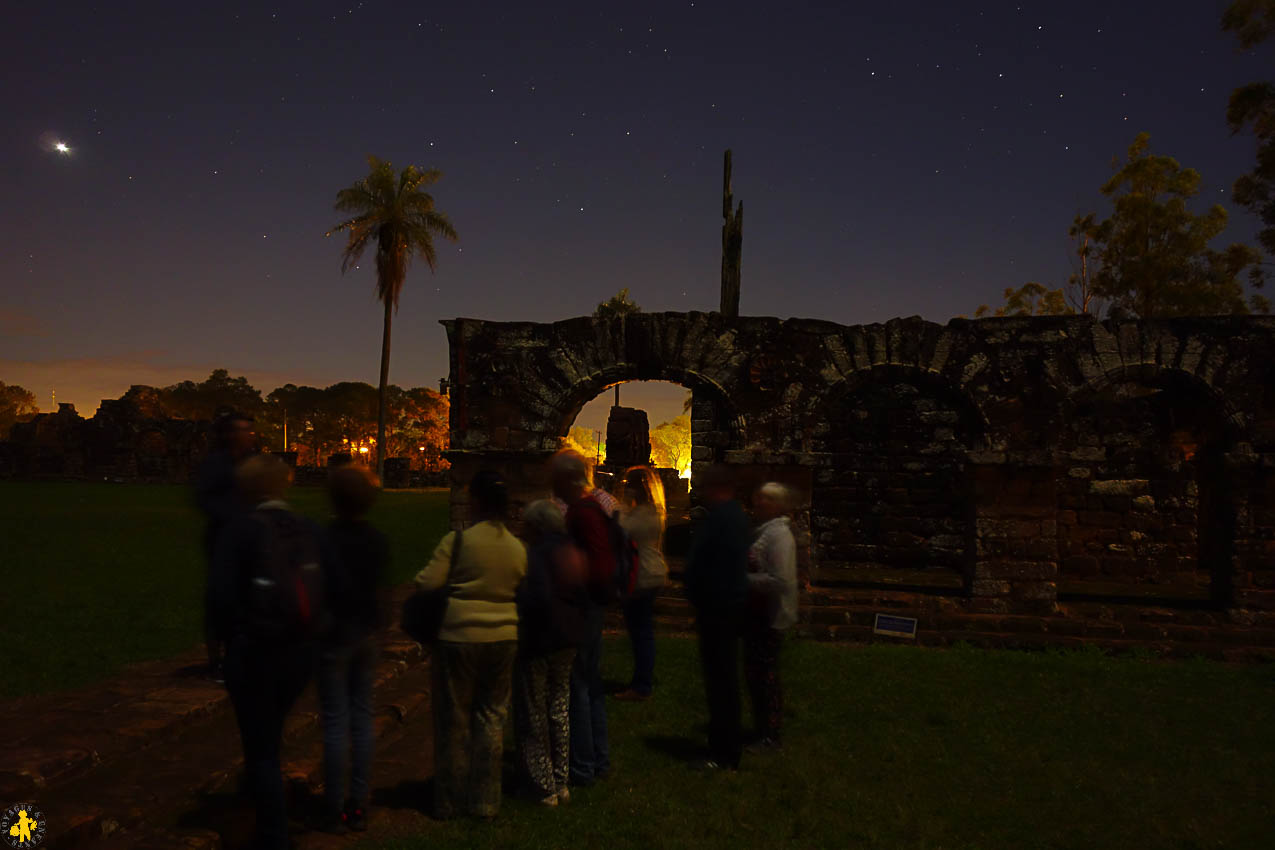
[(151, 758)]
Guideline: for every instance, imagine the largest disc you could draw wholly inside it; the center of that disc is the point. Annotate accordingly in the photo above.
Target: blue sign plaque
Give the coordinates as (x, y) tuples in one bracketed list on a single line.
[(888, 624)]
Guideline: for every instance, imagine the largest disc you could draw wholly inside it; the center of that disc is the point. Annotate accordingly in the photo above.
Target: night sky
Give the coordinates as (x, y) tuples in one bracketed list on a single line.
[(893, 160)]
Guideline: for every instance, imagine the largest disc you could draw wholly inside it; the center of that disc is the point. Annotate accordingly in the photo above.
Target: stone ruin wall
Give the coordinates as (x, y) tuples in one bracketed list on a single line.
[(1026, 468)]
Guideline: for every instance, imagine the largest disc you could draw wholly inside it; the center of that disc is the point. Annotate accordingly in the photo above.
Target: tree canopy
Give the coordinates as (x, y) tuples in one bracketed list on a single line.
[(1252, 108), (617, 305), (1152, 257), (320, 421), (671, 444), (17, 404)]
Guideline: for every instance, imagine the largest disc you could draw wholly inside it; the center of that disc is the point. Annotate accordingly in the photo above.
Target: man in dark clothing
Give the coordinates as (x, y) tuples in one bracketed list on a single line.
[(587, 525), (264, 600), (717, 585), (221, 502)]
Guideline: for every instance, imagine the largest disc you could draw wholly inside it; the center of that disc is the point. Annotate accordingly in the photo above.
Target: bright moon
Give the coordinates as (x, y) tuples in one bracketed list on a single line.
[(62, 147)]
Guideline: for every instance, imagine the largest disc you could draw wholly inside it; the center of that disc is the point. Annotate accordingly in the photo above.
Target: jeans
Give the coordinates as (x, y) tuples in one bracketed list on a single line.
[(590, 758), (639, 617), (471, 701), (719, 629), (542, 707), (264, 682), (345, 697)]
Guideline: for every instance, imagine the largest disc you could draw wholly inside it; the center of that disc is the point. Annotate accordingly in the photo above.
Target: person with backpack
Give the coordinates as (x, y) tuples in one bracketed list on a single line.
[(347, 656), (643, 519), (473, 658), (589, 525), (553, 604), (717, 587), (268, 598)]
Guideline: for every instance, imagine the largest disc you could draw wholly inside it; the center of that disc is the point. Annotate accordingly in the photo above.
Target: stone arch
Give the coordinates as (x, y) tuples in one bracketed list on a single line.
[(1146, 508), (893, 503), (727, 425)]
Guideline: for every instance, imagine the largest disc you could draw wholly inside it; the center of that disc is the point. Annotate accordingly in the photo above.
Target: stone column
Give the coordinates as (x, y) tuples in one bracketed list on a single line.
[(1015, 530)]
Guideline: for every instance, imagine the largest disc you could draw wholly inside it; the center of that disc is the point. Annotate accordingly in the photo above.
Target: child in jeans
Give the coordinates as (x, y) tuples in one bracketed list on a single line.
[(348, 654)]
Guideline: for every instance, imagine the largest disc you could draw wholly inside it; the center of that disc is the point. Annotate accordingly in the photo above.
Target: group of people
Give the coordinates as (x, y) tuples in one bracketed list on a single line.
[(288, 601), (522, 626)]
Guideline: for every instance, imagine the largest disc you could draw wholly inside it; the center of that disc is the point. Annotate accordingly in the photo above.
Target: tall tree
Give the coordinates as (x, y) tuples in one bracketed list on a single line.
[(17, 404), (1252, 107), (1154, 253), (395, 212)]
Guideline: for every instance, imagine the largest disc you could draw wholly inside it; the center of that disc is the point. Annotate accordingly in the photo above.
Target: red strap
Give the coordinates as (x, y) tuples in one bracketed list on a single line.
[(303, 599)]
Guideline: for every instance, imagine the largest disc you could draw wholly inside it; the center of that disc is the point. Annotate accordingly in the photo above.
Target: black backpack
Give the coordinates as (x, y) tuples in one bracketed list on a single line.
[(286, 602)]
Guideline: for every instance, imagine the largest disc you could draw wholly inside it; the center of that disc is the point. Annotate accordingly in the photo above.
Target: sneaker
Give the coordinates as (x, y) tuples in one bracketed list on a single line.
[(631, 695), (355, 816), (762, 745), (711, 766), (564, 794), (551, 801)]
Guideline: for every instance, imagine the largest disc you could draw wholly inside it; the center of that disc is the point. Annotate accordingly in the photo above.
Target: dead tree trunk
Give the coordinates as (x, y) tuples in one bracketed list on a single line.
[(732, 245)]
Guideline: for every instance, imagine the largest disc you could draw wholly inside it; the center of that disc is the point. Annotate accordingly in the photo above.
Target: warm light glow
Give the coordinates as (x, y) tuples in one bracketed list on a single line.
[(62, 147), (362, 450), (685, 471)]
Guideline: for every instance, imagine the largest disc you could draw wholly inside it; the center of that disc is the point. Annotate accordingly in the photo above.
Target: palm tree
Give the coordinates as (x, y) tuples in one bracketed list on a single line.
[(393, 211)]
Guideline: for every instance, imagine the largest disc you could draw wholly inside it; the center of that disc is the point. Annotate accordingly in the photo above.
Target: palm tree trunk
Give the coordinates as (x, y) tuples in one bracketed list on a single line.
[(385, 380)]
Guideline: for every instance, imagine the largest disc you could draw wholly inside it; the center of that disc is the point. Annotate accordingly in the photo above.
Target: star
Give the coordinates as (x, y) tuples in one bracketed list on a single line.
[(62, 148)]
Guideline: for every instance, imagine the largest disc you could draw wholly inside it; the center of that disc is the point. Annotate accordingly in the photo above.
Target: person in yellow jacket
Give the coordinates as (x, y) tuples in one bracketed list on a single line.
[(474, 657)]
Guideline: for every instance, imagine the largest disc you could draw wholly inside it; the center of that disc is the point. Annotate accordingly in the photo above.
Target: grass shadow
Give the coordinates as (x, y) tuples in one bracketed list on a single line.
[(680, 747), (411, 794)]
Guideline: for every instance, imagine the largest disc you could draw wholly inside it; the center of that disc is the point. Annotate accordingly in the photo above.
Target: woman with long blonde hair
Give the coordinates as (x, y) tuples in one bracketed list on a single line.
[(643, 516)]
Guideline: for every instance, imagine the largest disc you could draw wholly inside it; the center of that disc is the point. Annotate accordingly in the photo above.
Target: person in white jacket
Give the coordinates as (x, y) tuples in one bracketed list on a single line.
[(772, 586), (642, 514)]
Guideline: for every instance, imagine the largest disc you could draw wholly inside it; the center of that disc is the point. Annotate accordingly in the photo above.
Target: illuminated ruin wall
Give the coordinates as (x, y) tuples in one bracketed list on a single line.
[(997, 466)]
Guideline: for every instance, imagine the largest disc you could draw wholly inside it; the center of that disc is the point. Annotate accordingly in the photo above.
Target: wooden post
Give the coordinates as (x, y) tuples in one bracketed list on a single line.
[(732, 244)]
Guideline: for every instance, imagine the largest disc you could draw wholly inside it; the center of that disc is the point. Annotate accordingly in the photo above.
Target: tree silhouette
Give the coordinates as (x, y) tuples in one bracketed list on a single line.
[(397, 214)]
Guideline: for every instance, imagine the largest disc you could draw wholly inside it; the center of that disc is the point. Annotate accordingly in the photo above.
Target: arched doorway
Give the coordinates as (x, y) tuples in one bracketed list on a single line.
[(1146, 510), (894, 506)]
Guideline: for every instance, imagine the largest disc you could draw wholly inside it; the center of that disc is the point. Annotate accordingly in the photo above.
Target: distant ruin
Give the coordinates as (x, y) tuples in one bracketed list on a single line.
[(1042, 467)]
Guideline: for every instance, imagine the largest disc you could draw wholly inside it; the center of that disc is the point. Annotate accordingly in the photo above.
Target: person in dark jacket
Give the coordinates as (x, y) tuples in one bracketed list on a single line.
[(347, 656), (717, 585), (553, 606), (267, 599), (221, 502)]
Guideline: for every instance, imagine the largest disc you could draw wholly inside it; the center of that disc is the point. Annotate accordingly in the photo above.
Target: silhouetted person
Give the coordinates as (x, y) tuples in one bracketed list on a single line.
[(772, 582), (553, 605), (588, 526), (717, 585), (234, 439), (473, 660), (269, 600), (347, 657), (643, 516)]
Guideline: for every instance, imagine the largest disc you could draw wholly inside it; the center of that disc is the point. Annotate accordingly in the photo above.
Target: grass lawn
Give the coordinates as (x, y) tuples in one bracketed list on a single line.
[(95, 576), (898, 747)]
